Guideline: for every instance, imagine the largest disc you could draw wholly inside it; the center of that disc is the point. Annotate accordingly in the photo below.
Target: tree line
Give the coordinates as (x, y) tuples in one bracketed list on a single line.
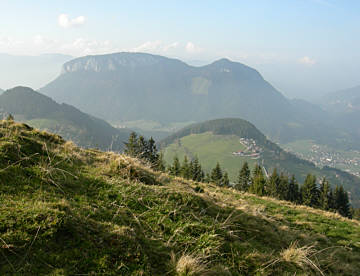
[(283, 187), (276, 185)]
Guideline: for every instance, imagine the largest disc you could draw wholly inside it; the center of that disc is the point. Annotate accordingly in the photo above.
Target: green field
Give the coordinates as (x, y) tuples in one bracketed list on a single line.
[(210, 148)]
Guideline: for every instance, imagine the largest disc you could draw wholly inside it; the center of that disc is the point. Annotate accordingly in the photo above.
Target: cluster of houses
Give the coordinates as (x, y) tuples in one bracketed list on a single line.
[(322, 157), (252, 149)]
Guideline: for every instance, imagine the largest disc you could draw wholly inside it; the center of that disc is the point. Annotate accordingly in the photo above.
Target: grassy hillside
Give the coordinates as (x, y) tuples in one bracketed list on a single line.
[(71, 211), (210, 149), (215, 140), (42, 112)]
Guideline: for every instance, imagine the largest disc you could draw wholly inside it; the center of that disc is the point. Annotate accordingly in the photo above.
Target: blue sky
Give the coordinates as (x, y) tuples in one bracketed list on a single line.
[(303, 47)]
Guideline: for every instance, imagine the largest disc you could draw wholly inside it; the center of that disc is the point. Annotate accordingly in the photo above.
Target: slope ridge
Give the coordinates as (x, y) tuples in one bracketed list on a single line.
[(41, 111)]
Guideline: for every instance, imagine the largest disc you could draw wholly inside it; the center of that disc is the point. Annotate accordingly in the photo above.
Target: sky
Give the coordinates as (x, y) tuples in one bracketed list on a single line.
[(305, 48)]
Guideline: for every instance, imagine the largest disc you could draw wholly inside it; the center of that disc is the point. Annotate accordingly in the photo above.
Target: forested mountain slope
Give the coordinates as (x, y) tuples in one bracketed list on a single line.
[(41, 111)]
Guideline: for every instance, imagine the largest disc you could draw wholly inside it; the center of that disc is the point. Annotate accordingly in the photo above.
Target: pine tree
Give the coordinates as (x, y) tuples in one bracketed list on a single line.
[(175, 168), (243, 181), (216, 174), (283, 187), (310, 192), (293, 190), (196, 170), (152, 154), (225, 180), (342, 202), (272, 185), (331, 200), (160, 163), (132, 147), (185, 168), (258, 181), (324, 194), (142, 148), (207, 178)]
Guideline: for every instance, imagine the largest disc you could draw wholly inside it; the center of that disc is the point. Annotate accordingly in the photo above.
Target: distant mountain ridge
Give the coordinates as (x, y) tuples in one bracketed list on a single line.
[(41, 111), (345, 104), (136, 86), (133, 86), (346, 100)]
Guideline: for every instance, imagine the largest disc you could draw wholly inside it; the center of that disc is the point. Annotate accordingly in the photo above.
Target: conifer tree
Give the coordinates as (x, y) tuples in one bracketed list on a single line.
[(293, 190), (216, 174), (272, 185), (257, 170), (310, 193), (185, 168), (175, 168), (132, 146), (225, 180), (342, 201), (331, 199), (196, 170), (207, 178), (324, 194), (283, 187), (142, 148), (151, 151), (258, 181), (243, 180), (160, 163)]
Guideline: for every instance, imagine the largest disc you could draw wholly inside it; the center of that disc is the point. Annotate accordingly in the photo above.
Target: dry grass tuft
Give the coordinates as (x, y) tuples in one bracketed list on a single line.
[(300, 256), (188, 265)]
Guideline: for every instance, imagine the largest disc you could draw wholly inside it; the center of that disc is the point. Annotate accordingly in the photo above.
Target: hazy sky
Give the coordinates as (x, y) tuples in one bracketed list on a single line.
[(303, 47)]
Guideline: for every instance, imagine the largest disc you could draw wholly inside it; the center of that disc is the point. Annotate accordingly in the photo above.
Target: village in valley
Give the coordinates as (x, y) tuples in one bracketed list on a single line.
[(252, 149), (322, 156)]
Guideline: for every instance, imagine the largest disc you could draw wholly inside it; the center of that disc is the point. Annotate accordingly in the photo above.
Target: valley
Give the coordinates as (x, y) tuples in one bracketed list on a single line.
[(322, 155)]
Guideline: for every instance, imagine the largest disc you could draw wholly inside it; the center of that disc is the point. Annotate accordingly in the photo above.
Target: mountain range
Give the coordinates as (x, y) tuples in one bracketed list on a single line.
[(347, 100), (125, 87), (40, 111), (345, 104)]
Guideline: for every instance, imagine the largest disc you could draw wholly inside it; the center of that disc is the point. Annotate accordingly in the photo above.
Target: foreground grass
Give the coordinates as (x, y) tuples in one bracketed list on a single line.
[(70, 211)]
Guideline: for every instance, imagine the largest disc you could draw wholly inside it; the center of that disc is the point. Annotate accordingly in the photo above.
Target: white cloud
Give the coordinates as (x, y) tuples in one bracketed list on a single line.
[(82, 46), (171, 46), (40, 40), (6, 41), (306, 61), (65, 22), (148, 46), (156, 46), (191, 48)]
